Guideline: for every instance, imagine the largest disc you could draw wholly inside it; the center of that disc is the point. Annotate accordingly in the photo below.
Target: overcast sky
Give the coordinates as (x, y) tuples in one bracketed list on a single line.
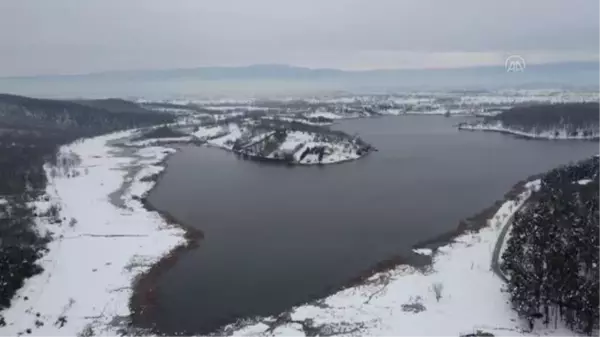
[(80, 36)]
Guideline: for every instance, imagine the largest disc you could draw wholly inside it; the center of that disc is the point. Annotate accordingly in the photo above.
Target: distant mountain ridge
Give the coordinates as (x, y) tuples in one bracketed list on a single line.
[(266, 80), (283, 71)]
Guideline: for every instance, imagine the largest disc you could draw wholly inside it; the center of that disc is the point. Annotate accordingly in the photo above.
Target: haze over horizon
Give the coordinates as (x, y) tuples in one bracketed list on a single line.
[(73, 37)]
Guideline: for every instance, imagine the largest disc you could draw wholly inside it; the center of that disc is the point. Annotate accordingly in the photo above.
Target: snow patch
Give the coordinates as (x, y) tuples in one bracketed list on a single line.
[(423, 251), (584, 181)]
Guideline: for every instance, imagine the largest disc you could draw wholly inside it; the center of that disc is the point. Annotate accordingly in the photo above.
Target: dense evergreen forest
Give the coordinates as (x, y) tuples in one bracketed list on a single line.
[(552, 255), (573, 116), (31, 130)]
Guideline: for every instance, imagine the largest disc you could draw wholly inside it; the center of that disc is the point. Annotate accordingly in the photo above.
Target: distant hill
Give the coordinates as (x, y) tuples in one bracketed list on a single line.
[(281, 71), (19, 114), (114, 105)]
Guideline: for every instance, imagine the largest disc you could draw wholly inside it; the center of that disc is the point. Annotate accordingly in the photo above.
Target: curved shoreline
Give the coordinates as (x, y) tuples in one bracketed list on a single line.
[(132, 257), (471, 224), (143, 301)]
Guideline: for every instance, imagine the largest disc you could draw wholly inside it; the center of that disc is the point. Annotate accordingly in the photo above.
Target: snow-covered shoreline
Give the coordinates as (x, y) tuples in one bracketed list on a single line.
[(458, 294), (100, 248), (558, 134), (95, 260)]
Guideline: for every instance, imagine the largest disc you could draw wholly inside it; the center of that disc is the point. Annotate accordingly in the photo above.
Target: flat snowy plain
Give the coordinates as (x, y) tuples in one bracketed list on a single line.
[(94, 260)]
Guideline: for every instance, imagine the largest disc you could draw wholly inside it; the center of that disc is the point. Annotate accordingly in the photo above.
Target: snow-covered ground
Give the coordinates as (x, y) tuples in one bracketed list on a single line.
[(100, 248), (558, 134), (458, 294), (294, 139), (296, 142), (206, 132), (293, 119), (232, 133), (334, 153), (157, 141), (235, 107), (324, 114)]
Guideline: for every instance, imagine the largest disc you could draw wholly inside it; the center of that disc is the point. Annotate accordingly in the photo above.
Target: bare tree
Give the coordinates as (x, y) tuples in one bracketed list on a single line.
[(437, 290), (87, 331)]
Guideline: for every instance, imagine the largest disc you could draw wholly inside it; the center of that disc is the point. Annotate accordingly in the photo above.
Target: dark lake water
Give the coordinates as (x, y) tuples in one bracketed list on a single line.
[(276, 236)]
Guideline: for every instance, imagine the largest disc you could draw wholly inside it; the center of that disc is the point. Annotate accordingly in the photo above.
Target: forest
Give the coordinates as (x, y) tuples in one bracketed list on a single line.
[(576, 116), (551, 257), (31, 131)]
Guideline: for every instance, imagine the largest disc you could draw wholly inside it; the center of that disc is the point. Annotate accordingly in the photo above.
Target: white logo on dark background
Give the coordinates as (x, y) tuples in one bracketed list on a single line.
[(514, 63)]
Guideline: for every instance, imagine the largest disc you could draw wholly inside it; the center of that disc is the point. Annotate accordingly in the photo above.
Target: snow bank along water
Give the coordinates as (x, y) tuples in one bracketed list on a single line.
[(97, 249)]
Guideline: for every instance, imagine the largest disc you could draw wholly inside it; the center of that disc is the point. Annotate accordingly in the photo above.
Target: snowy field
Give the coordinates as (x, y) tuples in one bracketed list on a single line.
[(550, 134), (458, 294), (99, 249)]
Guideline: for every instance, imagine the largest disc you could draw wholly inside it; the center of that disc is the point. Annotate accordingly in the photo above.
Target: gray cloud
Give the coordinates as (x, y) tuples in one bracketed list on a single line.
[(74, 36)]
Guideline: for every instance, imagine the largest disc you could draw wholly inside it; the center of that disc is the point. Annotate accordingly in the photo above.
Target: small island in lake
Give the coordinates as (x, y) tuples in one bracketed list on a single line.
[(282, 139)]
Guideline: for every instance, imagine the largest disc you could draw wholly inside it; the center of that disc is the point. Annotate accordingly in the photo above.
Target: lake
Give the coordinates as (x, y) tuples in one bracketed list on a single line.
[(276, 236)]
